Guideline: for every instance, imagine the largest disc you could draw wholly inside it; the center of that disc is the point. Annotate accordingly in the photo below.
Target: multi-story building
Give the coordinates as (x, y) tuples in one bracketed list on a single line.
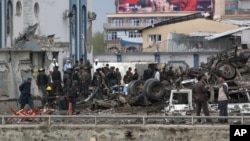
[(121, 28)]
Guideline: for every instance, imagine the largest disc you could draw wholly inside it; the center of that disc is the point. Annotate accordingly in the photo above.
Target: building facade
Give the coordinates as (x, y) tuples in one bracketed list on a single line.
[(33, 32), (121, 30)]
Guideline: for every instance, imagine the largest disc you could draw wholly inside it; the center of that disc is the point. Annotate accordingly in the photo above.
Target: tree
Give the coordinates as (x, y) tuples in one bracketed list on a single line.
[(98, 42)]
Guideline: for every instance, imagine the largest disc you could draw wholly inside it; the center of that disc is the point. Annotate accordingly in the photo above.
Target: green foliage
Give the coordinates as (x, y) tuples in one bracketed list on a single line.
[(98, 42)]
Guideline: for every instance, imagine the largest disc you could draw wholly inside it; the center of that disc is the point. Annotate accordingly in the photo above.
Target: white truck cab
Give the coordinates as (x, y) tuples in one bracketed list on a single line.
[(180, 101)]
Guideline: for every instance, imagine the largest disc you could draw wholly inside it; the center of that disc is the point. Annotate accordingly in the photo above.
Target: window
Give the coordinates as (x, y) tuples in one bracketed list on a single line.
[(112, 35), (150, 21), (154, 38), (132, 34), (73, 21), (36, 9), (134, 22), (116, 22), (9, 18), (18, 8)]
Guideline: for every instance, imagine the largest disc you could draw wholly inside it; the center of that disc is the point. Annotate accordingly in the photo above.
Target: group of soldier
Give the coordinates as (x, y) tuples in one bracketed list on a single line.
[(77, 79)]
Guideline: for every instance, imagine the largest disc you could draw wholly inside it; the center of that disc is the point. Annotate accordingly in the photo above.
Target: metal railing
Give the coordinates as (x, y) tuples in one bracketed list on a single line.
[(123, 119)]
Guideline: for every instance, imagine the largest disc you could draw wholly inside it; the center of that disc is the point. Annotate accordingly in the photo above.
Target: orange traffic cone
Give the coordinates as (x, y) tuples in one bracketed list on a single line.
[(70, 109)]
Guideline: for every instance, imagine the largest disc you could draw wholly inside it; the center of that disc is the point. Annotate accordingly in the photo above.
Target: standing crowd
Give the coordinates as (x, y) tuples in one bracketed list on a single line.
[(63, 87)]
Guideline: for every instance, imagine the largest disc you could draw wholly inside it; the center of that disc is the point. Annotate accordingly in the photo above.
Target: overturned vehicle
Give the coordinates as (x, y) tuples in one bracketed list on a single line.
[(234, 66)]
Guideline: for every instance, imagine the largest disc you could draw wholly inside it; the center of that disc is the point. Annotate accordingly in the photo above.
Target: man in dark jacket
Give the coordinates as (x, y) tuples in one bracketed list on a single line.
[(25, 97), (200, 93), (147, 74), (57, 79), (135, 76), (42, 81)]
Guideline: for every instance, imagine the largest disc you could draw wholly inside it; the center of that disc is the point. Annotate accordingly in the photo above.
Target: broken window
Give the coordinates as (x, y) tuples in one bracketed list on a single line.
[(239, 97), (9, 17), (180, 98)]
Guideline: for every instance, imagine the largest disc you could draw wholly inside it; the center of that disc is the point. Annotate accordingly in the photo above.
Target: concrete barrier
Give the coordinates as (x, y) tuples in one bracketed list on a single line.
[(114, 132)]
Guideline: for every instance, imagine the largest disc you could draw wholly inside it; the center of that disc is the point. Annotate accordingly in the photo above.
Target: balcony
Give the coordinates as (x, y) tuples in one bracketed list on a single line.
[(125, 26)]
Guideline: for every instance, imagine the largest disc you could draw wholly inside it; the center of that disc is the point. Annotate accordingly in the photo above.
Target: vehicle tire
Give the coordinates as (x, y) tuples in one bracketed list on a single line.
[(146, 84), (129, 86), (135, 87), (155, 90), (226, 70)]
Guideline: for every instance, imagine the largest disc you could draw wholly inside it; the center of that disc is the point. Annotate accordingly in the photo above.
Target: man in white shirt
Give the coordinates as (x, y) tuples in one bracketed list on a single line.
[(97, 65), (67, 66), (53, 64), (157, 74), (223, 97)]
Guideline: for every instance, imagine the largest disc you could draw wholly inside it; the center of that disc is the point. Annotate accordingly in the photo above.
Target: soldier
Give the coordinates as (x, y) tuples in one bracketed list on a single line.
[(147, 74), (72, 96), (85, 82), (111, 77), (135, 76), (170, 74), (106, 69), (42, 81), (76, 78), (118, 76), (81, 64), (89, 67), (67, 80), (163, 74), (76, 64), (97, 83), (57, 79), (130, 72), (127, 78)]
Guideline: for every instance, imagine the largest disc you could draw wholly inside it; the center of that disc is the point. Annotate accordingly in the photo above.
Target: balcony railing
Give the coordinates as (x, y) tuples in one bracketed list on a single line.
[(125, 25)]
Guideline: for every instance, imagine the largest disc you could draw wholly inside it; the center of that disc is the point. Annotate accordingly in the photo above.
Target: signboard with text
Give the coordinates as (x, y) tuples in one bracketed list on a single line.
[(159, 6)]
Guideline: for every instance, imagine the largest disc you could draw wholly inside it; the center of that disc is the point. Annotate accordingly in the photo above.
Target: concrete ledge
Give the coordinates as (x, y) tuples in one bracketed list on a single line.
[(115, 132)]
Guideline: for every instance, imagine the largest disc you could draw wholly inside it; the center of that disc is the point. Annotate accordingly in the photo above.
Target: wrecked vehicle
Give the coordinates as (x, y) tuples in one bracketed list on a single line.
[(233, 64), (181, 102)]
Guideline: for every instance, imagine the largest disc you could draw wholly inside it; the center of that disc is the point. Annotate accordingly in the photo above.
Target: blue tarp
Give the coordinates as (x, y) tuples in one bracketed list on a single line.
[(124, 42)]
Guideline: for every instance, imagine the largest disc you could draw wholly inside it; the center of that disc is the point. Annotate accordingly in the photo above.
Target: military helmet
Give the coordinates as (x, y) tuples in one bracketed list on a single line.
[(48, 88)]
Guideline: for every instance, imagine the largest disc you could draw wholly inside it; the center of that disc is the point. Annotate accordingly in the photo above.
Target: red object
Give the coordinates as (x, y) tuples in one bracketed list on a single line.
[(32, 112), (70, 108), (132, 1), (188, 5)]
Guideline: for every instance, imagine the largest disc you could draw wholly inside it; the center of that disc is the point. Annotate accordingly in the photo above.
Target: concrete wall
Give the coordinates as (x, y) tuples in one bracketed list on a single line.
[(15, 67), (115, 133), (149, 57)]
